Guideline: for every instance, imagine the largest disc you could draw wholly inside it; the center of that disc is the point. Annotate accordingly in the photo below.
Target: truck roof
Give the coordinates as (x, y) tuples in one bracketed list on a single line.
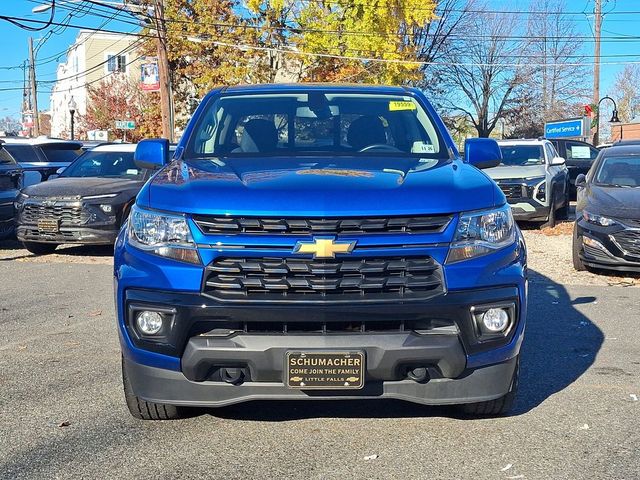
[(334, 87)]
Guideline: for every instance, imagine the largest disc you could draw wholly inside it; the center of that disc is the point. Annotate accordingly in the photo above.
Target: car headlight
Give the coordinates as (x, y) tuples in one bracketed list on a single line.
[(598, 219), (163, 234), (533, 181), (482, 232), (20, 199), (106, 195)]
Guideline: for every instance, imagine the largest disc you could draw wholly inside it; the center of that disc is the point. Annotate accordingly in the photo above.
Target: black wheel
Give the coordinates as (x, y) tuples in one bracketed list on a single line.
[(551, 220), (575, 250), (143, 410), (499, 406), (563, 212), (40, 248), (7, 232)]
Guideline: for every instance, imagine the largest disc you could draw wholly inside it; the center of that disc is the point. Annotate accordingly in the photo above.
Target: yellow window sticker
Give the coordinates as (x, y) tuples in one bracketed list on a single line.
[(397, 105)]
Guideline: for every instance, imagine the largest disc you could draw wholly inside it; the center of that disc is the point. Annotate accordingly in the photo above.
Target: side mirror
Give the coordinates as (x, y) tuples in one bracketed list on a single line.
[(557, 161), (60, 170), (482, 152), (581, 181), (152, 154)]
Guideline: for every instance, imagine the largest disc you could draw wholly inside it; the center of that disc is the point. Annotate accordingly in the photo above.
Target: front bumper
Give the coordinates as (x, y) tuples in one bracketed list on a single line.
[(462, 366), (70, 235), (528, 210), (171, 387)]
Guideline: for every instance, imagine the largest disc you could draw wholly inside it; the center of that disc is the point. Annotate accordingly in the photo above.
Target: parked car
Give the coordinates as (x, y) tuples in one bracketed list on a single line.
[(319, 242), (10, 184), (607, 228), (579, 157), (41, 158), (535, 180), (86, 205)]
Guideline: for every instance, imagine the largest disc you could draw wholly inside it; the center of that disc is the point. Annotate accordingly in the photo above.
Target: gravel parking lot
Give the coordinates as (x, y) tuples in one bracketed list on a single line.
[(62, 412)]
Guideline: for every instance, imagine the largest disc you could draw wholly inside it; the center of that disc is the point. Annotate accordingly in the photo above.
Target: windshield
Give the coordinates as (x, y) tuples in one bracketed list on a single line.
[(65, 153), (315, 123), (104, 164), (522, 155), (23, 153), (619, 172), (5, 157)]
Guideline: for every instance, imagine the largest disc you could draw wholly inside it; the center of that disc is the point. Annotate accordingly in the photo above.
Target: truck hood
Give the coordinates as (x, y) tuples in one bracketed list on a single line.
[(315, 186), (504, 172), (82, 186)]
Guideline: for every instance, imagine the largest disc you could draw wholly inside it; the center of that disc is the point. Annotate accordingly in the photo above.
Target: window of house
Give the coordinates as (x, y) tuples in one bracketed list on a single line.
[(116, 63)]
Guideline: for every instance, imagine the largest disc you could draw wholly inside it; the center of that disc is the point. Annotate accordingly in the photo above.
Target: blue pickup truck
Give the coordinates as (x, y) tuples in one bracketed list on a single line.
[(319, 242)]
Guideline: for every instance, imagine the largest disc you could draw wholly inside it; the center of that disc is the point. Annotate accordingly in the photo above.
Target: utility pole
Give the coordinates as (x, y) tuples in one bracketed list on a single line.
[(34, 90), (596, 64), (166, 95)]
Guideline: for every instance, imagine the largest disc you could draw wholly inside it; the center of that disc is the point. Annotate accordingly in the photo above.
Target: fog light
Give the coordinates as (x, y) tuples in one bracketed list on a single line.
[(106, 208), (495, 319), (149, 323)]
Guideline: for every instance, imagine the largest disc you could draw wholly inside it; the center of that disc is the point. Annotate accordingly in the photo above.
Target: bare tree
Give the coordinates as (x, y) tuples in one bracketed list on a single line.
[(483, 72), (626, 92), (554, 73)]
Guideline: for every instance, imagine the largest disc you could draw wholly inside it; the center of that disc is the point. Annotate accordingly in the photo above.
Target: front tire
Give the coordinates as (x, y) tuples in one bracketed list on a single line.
[(144, 410), (551, 221), (575, 250), (40, 248), (499, 406), (563, 213)]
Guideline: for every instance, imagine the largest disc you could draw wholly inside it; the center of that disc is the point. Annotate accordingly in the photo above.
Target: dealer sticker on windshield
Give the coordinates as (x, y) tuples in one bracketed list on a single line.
[(397, 105)]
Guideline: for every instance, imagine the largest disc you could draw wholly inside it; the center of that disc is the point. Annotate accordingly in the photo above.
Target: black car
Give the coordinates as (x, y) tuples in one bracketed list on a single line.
[(579, 157), (87, 204), (607, 228), (42, 158), (10, 184)]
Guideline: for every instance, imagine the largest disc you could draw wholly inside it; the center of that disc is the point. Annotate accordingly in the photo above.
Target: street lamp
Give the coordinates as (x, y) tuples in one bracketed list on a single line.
[(72, 110), (614, 118)]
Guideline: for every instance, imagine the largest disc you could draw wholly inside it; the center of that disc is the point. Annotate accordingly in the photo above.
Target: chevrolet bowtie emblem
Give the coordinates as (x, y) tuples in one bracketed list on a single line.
[(324, 247)]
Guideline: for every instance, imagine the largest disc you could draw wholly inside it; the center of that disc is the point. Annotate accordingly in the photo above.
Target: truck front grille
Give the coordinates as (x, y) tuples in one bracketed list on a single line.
[(336, 280), (66, 214), (513, 190), (629, 242), (326, 226)]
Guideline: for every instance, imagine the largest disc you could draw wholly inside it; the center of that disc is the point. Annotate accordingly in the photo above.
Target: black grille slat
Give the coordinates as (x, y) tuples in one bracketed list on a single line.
[(513, 190), (334, 280), (66, 214), (329, 226), (629, 241)]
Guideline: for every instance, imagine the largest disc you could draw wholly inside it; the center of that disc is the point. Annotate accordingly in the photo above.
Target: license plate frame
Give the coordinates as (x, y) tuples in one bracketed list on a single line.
[(49, 225), (325, 377)]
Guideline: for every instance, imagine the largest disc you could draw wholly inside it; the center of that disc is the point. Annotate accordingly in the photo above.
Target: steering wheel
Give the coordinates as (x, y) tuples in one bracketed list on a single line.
[(380, 146)]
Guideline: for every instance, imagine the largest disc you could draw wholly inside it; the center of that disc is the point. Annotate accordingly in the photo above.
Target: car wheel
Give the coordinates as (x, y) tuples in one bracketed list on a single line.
[(40, 248), (563, 212), (499, 406), (7, 232), (144, 410), (551, 220), (575, 248)]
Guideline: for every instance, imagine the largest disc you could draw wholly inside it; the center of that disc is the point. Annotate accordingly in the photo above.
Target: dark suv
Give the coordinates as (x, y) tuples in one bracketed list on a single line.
[(10, 183), (578, 155), (41, 158)]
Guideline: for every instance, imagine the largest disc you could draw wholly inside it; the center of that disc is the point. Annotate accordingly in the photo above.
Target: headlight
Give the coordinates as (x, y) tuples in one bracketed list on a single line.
[(533, 181), (107, 195), (162, 234), (483, 232), (598, 219)]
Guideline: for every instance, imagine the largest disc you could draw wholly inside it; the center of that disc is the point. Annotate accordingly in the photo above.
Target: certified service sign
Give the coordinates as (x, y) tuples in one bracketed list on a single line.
[(571, 128)]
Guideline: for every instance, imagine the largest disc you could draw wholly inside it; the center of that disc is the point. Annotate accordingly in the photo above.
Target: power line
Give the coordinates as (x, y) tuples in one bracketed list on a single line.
[(17, 21), (407, 62), (82, 27)]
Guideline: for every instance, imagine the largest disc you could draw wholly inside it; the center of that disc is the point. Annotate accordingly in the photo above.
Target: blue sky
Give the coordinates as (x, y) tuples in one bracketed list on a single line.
[(15, 50)]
